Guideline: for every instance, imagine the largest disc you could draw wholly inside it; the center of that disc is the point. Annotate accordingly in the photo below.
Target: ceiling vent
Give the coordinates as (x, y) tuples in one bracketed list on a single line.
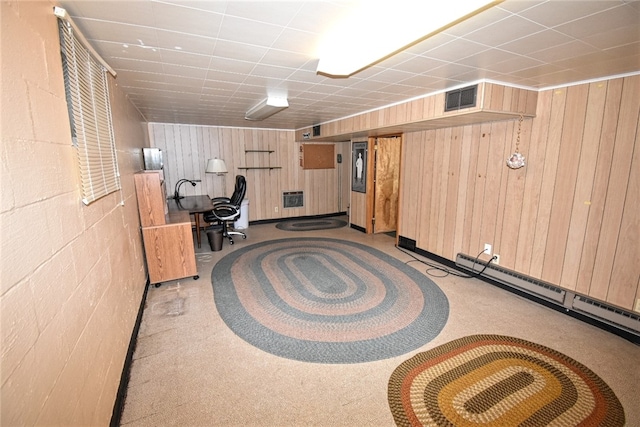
[(461, 98)]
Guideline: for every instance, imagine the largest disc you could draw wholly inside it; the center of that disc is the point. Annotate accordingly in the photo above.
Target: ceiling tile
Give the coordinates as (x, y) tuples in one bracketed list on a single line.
[(563, 51), (180, 19), (248, 31), (178, 57), (553, 13), (536, 42), (97, 30), (505, 31), (186, 42), (477, 22), (601, 22)]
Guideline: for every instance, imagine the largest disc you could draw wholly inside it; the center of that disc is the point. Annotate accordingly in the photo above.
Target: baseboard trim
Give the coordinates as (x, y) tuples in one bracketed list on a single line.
[(357, 227), (295, 218), (118, 405)]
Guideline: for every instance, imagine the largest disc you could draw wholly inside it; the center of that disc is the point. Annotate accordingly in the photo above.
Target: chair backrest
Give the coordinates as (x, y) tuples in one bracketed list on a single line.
[(239, 191)]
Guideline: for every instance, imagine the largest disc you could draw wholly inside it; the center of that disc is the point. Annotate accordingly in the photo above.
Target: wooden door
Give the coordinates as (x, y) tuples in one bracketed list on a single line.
[(386, 183)]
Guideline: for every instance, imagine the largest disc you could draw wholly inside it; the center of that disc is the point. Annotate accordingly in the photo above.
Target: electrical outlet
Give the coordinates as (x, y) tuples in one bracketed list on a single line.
[(497, 259), (276, 209), (487, 248)]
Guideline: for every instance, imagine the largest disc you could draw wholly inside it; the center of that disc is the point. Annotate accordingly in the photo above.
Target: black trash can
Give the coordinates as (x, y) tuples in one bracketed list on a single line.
[(214, 234)]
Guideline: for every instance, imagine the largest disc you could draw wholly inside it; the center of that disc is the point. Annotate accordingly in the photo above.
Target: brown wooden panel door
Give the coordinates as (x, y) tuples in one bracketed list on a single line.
[(386, 185)]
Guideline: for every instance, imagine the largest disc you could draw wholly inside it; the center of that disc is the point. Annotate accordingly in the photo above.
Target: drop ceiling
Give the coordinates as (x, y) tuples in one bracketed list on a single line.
[(208, 62)]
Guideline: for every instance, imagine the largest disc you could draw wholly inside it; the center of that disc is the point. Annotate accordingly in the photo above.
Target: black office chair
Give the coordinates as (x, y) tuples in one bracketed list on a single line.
[(226, 209)]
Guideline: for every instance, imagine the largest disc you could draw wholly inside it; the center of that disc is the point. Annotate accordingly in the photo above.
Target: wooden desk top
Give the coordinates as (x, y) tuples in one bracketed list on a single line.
[(193, 204)]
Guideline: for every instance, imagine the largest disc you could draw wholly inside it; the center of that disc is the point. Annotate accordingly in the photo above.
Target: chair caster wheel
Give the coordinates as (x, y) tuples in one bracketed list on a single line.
[(244, 237), (196, 277), (231, 242), (157, 285)]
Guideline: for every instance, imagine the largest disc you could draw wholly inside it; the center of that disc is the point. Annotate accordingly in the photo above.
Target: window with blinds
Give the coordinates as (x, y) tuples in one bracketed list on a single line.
[(87, 95)]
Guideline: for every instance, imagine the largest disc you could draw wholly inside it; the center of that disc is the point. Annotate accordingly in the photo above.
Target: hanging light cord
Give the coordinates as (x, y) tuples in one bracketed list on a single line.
[(520, 119), (517, 160)]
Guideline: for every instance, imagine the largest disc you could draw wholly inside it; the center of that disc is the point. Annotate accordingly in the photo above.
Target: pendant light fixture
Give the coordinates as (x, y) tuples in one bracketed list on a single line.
[(517, 160)]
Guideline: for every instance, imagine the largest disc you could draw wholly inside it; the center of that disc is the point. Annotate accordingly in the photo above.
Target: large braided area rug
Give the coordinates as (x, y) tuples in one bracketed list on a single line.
[(326, 300), (493, 380)]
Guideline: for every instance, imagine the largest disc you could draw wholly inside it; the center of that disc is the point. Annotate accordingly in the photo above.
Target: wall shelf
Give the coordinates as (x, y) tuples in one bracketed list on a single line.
[(268, 166), (260, 167)]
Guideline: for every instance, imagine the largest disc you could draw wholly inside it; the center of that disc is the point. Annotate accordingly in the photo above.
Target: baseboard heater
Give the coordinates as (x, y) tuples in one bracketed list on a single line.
[(597, 310)]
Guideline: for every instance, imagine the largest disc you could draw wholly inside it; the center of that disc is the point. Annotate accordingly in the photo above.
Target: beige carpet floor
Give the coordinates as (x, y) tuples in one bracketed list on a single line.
[(189, 369)]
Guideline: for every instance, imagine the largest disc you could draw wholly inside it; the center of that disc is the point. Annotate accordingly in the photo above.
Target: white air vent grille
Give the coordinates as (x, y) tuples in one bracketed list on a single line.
[(292, 199)]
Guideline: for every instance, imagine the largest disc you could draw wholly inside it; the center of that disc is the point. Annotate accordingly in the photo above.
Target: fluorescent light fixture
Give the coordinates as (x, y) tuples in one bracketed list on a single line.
[(267, 108), (378, 29), (216, 166)]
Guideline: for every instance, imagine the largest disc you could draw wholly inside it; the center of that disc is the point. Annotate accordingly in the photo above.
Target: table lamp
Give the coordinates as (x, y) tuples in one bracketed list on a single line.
[(216, 166)]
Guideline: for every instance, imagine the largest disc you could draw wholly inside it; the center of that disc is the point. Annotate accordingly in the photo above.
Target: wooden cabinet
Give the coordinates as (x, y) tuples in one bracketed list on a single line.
[(167, 237), (152, 202)]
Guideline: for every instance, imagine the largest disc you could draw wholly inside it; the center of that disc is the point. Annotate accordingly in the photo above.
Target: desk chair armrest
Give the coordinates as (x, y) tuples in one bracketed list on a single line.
[(226, 211), (217, 200)]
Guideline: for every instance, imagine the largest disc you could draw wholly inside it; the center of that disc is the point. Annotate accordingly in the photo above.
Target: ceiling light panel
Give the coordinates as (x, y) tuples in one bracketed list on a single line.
[(378, 29)]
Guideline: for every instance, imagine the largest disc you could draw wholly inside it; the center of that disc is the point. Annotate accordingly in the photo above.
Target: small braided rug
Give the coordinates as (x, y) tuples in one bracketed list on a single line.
[(311, 224), (327, 300), (494, 380)]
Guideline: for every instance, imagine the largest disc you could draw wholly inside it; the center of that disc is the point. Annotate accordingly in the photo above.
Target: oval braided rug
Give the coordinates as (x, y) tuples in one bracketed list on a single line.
[(326, 300), (311, 224), (493, 380)]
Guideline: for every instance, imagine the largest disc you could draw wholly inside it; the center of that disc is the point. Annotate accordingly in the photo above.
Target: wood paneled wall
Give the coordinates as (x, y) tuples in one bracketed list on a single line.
[(188, 147), (570, 217)]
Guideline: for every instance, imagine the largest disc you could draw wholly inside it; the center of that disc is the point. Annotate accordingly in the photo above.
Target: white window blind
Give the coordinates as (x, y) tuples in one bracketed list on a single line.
[(87, 94)]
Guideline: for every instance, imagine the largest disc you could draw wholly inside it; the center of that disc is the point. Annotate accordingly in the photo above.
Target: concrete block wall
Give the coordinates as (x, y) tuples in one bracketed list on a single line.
[(71, 276)]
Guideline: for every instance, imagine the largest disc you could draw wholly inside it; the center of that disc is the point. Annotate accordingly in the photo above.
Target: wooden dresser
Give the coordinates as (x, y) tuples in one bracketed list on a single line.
[(167, 236)]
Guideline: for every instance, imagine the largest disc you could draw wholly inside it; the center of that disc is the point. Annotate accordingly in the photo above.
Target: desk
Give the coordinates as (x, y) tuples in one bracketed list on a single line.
[(195, 205)]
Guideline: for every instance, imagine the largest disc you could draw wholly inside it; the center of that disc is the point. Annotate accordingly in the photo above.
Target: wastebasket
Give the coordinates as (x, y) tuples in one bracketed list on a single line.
[(243, 222), (214, 234)]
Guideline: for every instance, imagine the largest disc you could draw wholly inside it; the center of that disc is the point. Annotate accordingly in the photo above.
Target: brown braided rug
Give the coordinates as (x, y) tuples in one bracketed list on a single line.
[(494, 380)]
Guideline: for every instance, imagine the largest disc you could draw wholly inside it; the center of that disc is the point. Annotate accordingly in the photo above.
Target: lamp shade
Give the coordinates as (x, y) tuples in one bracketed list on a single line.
[(216, 166)]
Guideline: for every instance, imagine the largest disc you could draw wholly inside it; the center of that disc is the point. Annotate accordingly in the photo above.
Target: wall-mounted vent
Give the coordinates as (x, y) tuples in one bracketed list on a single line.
[(461, 98), (292, 199), (316, 130)]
